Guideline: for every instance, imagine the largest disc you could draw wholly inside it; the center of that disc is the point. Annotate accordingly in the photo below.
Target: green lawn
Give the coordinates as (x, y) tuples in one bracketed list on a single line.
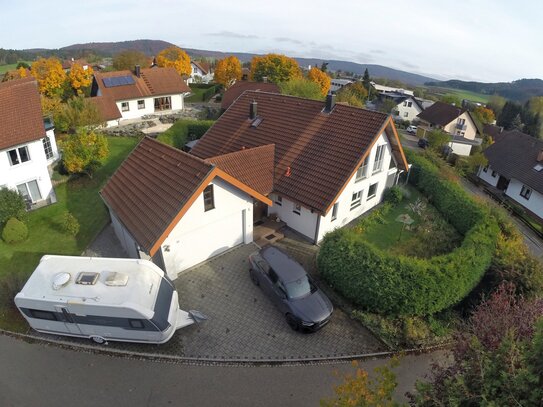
[(10, 67), (429, 235), (81, 198), (459, 93)]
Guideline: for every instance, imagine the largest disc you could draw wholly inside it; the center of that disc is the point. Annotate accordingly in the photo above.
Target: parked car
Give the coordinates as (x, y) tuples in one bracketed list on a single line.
[(412, 129), (423, 143), (293, 292)]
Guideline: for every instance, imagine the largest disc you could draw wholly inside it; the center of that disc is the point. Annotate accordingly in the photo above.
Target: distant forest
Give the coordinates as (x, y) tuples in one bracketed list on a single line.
[(520, 90)]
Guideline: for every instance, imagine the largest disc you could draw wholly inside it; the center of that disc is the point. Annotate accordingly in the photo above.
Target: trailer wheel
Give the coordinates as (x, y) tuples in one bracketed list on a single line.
[(98, 339)]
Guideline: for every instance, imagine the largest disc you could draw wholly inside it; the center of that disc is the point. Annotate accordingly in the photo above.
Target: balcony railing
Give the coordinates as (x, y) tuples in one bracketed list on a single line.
[(460, 126)]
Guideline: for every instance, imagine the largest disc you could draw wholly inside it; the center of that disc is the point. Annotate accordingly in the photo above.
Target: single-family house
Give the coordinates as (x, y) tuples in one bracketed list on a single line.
[(406, 107), (454, 120), (107, 109), (235, 91), (515, 167), (142, 92), (200, 72), (316, 166), (27, 143)]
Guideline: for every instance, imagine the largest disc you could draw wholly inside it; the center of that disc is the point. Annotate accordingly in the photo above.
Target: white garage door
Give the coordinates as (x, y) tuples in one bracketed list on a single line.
[(205, 242)]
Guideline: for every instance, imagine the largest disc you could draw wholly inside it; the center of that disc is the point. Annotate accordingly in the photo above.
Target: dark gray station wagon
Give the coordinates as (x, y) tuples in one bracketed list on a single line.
[(292, 291)]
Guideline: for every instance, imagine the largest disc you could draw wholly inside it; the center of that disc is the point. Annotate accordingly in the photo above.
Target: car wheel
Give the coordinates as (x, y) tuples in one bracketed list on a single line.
[(293, 322), (254, 278), (98, 339)]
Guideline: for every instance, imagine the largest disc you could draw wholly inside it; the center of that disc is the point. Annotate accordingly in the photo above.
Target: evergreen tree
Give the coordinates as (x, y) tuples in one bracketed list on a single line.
[(366, 80)]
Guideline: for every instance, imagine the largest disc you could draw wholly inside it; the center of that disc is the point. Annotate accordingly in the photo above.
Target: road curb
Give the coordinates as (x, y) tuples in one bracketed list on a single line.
[(220, 361)]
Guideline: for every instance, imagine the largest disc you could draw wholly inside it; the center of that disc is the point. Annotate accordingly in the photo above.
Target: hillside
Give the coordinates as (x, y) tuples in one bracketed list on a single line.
[(519, 90), (148, 47)]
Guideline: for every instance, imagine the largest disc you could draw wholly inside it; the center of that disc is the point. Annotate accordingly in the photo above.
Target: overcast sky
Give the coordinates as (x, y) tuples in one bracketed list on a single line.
[(498, 40)]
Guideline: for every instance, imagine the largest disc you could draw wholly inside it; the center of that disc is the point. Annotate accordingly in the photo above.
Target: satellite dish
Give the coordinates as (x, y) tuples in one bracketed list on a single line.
[(60, 280)]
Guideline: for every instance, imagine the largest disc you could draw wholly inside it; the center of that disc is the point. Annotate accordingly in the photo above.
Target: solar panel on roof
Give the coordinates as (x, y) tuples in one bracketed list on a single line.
[(114, 81)]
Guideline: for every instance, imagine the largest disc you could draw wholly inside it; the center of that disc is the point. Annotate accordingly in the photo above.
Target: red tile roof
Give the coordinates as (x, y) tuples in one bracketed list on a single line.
[(252, 166), (239, 87), (152, 82), (316, 153), (106, 107), (21, 117), (155, 186)]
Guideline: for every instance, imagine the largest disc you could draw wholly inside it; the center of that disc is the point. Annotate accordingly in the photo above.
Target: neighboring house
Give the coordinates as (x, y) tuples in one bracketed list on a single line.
[(337, 84), (407, 107), (245, 74), (142, 92), (495, 132), (454, 120), (27, 143), (68, 63), (314, 165), (515, 167), (389, 89), (200, 72), (235, 91)]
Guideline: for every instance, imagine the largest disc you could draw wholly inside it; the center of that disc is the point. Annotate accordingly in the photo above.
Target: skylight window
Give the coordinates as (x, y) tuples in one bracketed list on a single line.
[(538, 167)]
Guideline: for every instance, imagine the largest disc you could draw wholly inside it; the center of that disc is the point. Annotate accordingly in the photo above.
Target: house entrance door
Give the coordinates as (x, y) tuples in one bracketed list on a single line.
[(260, 211), (503, 183)]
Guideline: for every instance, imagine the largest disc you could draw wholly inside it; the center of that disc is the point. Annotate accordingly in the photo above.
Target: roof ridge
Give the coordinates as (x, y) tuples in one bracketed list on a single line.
[(176, 150), (240, 151)]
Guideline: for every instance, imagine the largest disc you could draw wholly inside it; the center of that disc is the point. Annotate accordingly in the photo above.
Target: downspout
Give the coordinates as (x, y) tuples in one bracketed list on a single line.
[(316, 239)]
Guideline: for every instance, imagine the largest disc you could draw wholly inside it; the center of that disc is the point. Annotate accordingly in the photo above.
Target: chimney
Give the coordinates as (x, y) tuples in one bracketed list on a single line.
[(253, 112), (330, 102), (137, 70), (539, 156)]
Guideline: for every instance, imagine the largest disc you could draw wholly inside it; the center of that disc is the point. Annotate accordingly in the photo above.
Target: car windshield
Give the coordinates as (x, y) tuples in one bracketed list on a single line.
[(298, 288)]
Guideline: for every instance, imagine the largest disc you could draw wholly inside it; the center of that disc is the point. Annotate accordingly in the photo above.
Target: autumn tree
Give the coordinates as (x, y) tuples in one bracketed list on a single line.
[(84, 152), (174, 57), (484, 114), (75, 113), (228, 71), (15, 74), (49, 74), (320, 78), (301, 87), (51, 106), (80, 78), (353, 94), (275, 67), (127, 60)]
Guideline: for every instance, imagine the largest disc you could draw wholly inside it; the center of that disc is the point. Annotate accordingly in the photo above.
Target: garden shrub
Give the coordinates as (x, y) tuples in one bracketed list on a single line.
[(15, 231), (69, 223), (183, 131), (401, 285), (394, 195), (12, 205)]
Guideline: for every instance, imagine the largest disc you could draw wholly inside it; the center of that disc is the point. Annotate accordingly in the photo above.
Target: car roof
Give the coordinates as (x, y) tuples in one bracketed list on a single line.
[(286, 268)]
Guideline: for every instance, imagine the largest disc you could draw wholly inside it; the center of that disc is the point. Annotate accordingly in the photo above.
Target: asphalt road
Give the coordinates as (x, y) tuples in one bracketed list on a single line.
[(41, 375)]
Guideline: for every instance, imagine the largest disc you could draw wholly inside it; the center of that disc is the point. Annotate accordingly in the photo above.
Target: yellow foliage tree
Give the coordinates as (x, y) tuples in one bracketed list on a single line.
[(84, 152), (275, 67), (16, 74), (51, 106), (49, 74), (80, 78), (484, 114), (174, 57), (320, 78), (228, 71)]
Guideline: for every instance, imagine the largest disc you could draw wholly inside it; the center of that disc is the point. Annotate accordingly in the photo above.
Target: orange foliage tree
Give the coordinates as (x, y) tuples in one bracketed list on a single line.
[(174, 57), (228, 71), (80, 78), (484, 114), (49, 74), (276, 67), (320, 78)]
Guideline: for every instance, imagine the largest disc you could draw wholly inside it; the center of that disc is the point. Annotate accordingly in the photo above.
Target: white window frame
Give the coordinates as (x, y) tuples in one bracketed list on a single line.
[(32, 199), (379, 158), (279, 200), (356, 199), (18, 153), (142, 103), (297, 209), (369, 191), (123, 109), (526, 192), (335, 211), (47, 147), (362, 171)]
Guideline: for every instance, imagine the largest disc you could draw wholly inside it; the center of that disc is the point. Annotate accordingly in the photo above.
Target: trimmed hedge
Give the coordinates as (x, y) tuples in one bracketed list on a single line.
[(183, 131), (401, 285), (15, 231)]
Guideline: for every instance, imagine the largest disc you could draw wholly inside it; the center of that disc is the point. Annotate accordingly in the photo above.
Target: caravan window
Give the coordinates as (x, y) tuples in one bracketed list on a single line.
[(39, 314)]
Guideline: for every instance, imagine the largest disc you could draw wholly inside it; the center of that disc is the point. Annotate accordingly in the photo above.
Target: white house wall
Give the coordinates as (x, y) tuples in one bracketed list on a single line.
[(200, 235), (135, 113), (304, 223), (345, 214), (461, 148), (411, 111), (487, 176), (470, 131), (34, 169), (127, 241), (534, 204)]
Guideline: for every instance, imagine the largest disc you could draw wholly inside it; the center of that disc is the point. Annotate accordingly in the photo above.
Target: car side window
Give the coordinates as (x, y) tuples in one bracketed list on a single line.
[(273, 276)]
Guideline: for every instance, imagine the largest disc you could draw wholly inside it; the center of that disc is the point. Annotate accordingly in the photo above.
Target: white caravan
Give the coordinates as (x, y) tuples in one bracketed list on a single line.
[(102, 299)]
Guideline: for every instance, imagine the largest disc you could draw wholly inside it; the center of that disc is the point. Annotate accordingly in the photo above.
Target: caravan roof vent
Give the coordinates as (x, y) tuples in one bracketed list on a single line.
[(60, 280), (87, 278), (116, 279)]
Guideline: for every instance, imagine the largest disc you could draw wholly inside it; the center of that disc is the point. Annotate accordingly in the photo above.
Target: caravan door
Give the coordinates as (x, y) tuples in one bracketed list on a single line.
[(69, 322)]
